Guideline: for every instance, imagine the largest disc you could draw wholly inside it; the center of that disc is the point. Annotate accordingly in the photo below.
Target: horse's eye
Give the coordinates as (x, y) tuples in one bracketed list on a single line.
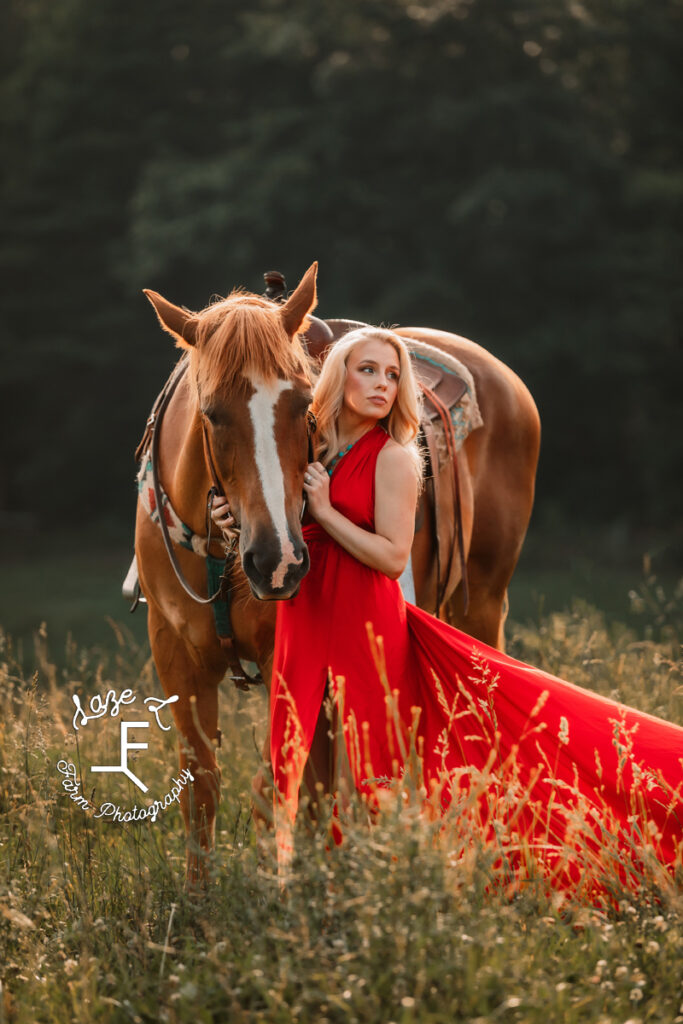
[(211, 415), (301, 405)]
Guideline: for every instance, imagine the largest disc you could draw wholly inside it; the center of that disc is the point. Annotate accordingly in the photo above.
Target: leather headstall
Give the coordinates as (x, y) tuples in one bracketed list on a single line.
[(150, 440)]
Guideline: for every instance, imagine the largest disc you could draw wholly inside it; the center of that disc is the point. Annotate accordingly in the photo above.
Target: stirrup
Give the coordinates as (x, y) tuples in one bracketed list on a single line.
[(131, 589)]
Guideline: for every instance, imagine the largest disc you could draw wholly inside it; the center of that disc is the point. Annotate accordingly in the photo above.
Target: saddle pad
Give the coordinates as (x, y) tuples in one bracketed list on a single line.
[(179, 531)]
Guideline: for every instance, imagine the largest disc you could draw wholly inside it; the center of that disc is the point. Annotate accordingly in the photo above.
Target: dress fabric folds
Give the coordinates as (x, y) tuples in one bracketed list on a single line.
[(564, 768)]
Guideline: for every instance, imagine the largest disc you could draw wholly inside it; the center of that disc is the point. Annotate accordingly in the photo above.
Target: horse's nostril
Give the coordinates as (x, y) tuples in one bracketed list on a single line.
[(256, 563), (248, 562), (262, 563), (304, 560)]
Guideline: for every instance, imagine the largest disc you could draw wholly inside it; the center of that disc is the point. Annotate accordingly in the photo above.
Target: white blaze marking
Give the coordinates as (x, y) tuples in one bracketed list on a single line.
[(262, 410)]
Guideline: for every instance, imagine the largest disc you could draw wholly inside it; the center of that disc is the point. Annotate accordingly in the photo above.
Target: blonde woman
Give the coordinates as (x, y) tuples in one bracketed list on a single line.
[(553, 754)]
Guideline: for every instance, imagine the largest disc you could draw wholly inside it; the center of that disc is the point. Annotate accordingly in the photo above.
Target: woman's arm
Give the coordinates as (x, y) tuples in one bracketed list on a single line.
[(388, 548)]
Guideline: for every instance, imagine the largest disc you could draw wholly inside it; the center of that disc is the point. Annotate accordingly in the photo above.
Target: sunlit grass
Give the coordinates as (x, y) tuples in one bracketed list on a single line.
[(405, 921)]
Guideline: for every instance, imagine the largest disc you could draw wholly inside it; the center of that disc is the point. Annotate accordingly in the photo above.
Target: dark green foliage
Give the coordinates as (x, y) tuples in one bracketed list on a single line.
[(507, 171)]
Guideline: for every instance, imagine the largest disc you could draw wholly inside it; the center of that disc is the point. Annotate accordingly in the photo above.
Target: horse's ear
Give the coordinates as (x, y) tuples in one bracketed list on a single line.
[(301, 302), (178, 322)]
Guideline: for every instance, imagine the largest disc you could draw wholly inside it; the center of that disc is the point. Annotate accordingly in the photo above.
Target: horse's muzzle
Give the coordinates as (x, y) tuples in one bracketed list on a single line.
[(270, 578)]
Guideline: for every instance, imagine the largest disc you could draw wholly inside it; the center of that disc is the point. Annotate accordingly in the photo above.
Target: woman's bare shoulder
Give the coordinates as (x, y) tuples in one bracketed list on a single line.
[(395, 457)]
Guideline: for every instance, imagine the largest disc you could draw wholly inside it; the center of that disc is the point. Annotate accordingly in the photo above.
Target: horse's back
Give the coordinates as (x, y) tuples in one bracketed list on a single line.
[(503, 397)]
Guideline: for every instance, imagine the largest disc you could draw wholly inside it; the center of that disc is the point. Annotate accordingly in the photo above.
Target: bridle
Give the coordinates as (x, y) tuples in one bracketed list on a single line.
[(216, 489)]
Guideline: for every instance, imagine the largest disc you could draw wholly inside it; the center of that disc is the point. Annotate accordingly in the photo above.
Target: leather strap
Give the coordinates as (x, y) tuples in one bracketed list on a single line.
[(432, 483), (160, 404), (237, 674), (158, 497), (150, 439), (449, 433), (208, 458)]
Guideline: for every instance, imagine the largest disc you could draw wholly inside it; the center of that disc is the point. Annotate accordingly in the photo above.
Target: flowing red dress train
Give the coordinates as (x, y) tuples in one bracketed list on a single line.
[(564, 768)]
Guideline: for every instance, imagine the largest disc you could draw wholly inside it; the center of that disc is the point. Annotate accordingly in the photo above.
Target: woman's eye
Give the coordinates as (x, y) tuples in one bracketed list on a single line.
[(392, 375)]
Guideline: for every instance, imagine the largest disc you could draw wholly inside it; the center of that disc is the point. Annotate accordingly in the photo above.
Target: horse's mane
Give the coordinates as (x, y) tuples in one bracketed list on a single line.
[(243, 335)]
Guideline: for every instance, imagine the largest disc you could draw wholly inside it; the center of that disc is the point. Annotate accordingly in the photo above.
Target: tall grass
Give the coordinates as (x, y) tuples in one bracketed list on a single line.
[(96, 923)]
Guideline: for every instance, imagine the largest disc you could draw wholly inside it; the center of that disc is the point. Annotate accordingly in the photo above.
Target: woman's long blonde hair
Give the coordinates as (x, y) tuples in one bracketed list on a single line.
[(403, 421)]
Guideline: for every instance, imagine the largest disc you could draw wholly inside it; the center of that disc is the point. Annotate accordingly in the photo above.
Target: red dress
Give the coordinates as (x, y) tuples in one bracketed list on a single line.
[(575, 778)]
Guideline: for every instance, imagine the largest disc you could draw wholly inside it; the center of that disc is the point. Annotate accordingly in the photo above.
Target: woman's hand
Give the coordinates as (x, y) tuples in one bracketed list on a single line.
[(387, 548), (317, 488), (221, 514)]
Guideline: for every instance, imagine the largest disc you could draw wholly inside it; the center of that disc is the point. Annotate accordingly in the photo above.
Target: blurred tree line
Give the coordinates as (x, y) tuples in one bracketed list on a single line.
[(507, 170)]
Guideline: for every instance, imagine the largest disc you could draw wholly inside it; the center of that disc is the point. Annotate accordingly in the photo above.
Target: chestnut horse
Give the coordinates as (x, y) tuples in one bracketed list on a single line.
[(248, 381), (248, 389)]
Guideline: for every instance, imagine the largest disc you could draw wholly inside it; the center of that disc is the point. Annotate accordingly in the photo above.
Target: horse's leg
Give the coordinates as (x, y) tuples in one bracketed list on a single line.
[(261, 784), (487, 609), (196, 718), (318, 777), (494, 550)]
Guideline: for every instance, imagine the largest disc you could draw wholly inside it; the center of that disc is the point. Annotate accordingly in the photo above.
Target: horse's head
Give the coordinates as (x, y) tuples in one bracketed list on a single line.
[(252, 387)]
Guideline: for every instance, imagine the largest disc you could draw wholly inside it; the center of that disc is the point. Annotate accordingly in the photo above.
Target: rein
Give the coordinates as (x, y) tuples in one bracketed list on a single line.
[(151, 439), (240, 680), (155, 419)]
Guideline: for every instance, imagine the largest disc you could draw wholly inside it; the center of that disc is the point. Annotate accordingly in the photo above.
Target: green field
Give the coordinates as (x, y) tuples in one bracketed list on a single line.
[(74, 587), (394, 925)]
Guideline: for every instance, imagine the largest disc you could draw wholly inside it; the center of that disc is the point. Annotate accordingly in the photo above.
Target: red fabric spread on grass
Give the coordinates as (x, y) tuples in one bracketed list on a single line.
[(556, 755)]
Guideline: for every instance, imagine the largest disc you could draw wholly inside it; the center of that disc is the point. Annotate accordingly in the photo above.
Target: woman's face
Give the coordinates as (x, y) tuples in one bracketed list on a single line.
[(372, 373)]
